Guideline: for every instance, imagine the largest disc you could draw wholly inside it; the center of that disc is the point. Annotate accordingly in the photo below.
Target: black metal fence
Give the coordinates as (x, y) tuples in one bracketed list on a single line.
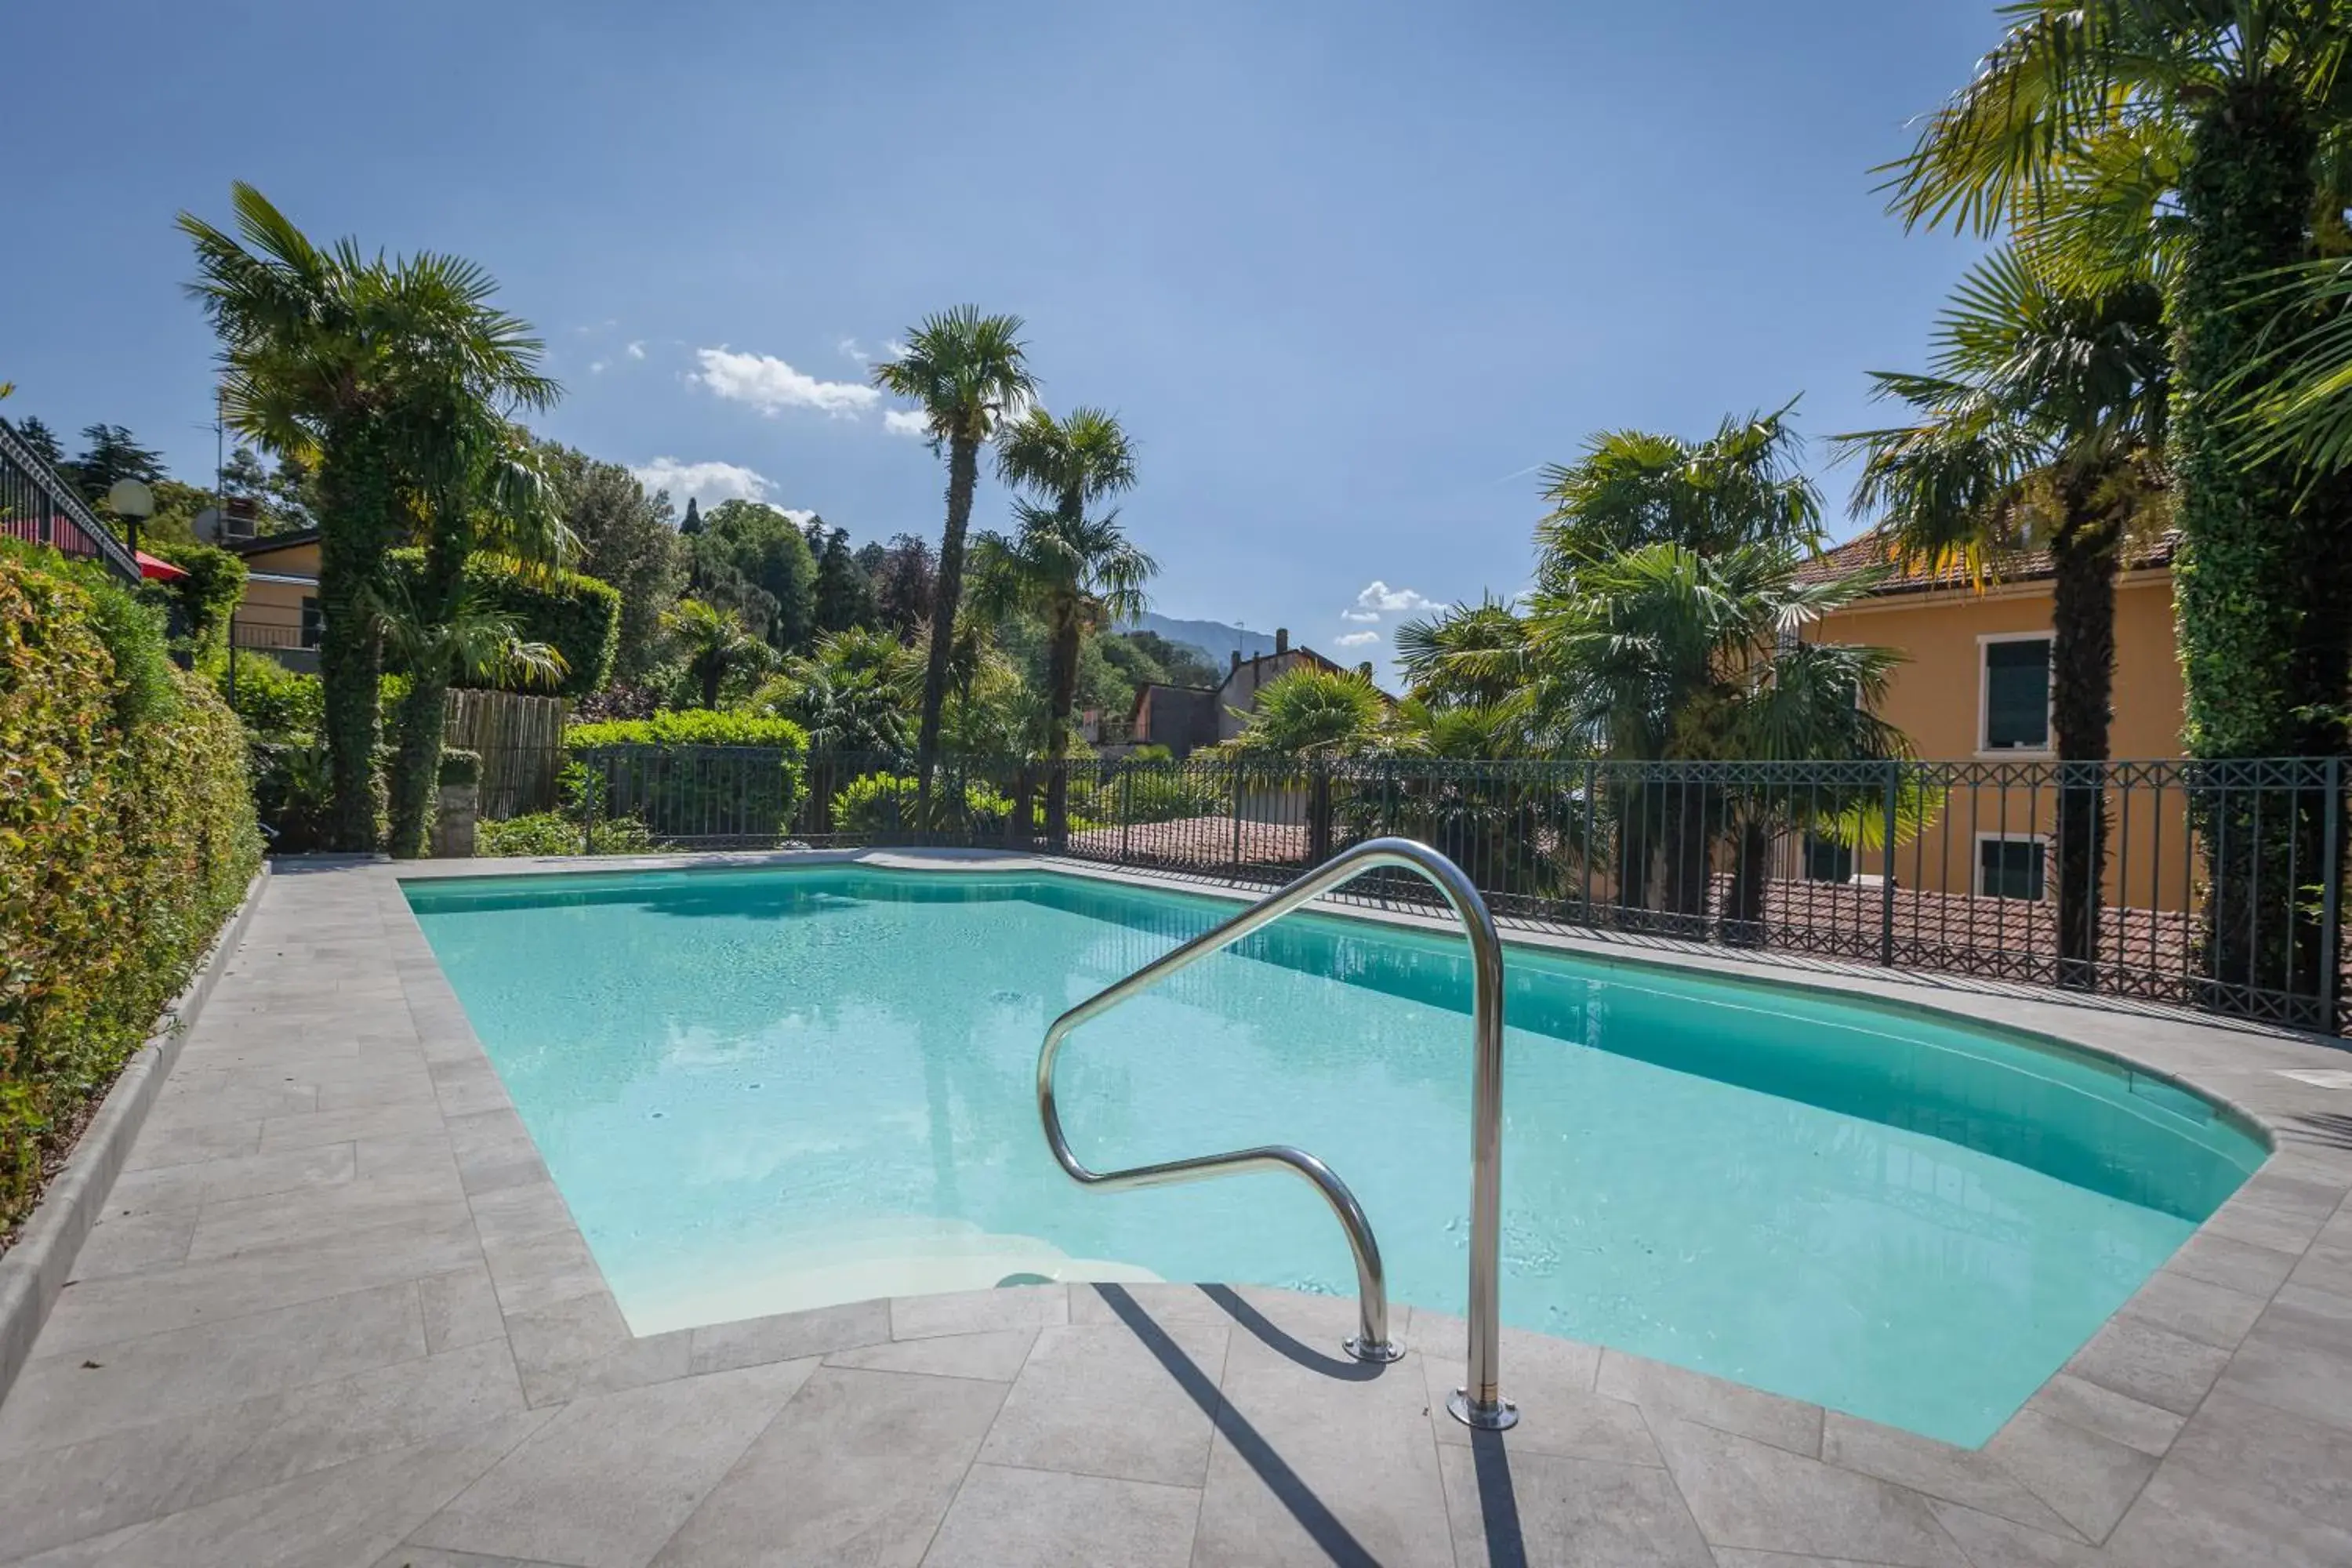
[(2213, 885)]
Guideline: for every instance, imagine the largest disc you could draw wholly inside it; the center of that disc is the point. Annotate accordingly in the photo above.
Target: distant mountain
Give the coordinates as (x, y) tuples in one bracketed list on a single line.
[(1216, 639)]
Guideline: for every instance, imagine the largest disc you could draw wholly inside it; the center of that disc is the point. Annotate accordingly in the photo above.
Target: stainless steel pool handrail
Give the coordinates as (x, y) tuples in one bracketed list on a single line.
[(1479, 1404)]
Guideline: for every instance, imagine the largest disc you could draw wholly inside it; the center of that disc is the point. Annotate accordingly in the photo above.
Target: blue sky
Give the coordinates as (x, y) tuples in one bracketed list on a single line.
[(1347, 271)]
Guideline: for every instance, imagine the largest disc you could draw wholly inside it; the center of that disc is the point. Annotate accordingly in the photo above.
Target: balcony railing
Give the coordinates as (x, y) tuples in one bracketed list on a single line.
[(39, 507)]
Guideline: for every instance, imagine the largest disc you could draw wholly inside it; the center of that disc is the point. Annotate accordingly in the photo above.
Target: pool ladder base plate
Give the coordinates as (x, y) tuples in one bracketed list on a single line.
[(1500, 1416), (1372, 1351)]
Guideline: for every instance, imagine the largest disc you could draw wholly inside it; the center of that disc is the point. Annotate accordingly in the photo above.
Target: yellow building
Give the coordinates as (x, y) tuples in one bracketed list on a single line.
[(1974, 689), (279, 614)]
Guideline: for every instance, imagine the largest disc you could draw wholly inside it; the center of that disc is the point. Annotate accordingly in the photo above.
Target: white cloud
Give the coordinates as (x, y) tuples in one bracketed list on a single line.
[(595, 367), (906, 422), (708, 483), (1360, 614), (636, 350), (1356, 639), (1380, 598), (849, 350), (799, 515), (771, 386)]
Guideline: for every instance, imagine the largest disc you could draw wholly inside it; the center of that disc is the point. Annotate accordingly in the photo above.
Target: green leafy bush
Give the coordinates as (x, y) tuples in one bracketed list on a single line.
[(888, 803), (272, 700), (692, 773), (552, 832), (208, 595), (577, 615), (127, 837), (459, 766)]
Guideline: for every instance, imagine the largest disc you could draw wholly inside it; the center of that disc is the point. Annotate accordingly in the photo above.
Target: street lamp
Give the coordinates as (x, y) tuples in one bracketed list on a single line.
[(133, 501)]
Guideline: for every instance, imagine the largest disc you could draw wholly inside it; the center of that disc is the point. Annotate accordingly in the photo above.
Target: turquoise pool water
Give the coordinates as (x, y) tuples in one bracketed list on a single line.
[(761, 1091)]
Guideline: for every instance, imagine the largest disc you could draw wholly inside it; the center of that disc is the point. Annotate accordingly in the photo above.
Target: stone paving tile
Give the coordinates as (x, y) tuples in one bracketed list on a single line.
[(280, 1220), (2198, 1309), (1663, 1390), (341, 1126), (351, 1513), (459, 1307), (1315, 1454), (1166, 1304), (972, 1311), (2297, 1463), (2113, 1416), (1516, 1507), (217, 1099), (183, 1146), (583, 1345), (786, 1336), (1131, 1403), (2183, 1521), (1990, 1542), (1551, 1382), (1034, 1519), (2241, 1266), (526, 1208), (993, 1357), (535, 1271), (2151, 1365), (245, 1176), (128, 1243), (60, 1399), (1756, 1496), (81, 1554), (608, 1479), (2326, 1268), (2089, 1480), (2299, 1357), (432, 1557), (858, 1467), (1974, 1478)]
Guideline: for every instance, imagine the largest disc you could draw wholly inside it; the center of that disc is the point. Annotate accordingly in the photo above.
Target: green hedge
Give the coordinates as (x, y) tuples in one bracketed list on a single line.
[(127, 837), (579, 616), (693, 773), (271, 699)]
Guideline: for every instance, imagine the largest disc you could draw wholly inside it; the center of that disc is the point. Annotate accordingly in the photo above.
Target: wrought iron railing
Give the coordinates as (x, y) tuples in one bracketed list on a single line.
[(2211, 885), (39, 506)]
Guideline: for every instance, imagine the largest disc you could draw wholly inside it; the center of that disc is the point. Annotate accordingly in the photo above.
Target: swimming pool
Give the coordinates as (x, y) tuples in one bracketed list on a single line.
[(766, 1089)]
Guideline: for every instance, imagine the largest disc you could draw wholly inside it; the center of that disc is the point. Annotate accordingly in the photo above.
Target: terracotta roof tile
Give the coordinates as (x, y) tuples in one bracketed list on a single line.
[(1869, 549)]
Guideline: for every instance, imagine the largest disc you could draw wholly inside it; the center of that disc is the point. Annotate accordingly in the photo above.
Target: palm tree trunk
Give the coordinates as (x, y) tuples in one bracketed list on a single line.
[(423, 713), (714, 671), (963, 476), (1061, 684), (1743, 917), (2241, 577), (2082, 684), (355, 534)]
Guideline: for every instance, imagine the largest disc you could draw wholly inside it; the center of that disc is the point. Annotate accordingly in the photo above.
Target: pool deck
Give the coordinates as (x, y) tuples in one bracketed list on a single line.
[(336, 1313)]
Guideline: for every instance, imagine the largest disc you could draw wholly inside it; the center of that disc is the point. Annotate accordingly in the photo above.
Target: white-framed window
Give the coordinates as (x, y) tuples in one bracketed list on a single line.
[(2012, 866), (2013, 692)]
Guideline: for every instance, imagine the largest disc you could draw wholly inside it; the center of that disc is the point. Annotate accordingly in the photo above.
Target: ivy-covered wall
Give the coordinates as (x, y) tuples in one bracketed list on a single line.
[(577, 615), (127, 837)]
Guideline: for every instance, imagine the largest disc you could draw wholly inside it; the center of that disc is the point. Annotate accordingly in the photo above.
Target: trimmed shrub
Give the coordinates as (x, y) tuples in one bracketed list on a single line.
[(577, 615), (272, 700), (695, 773), (459, 766), (886, 803), (127, 837), (552, 832)]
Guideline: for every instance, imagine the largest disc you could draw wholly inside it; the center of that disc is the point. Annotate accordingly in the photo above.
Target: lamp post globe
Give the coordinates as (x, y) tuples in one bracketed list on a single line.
[(133, 502)]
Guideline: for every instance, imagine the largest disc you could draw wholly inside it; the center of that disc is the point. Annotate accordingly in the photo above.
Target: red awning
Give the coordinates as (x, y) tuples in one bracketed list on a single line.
[(156, 571)]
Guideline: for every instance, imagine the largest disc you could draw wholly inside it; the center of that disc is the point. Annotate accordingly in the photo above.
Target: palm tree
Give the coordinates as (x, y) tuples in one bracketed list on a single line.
[(1471, 656), (968, 372), (1665, 652), (439, 643), (713, 644), (2214, 137), (1076, 573), (2038, 425), (327, 355), (1302, 722), (1633, 488), (480, 488)]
